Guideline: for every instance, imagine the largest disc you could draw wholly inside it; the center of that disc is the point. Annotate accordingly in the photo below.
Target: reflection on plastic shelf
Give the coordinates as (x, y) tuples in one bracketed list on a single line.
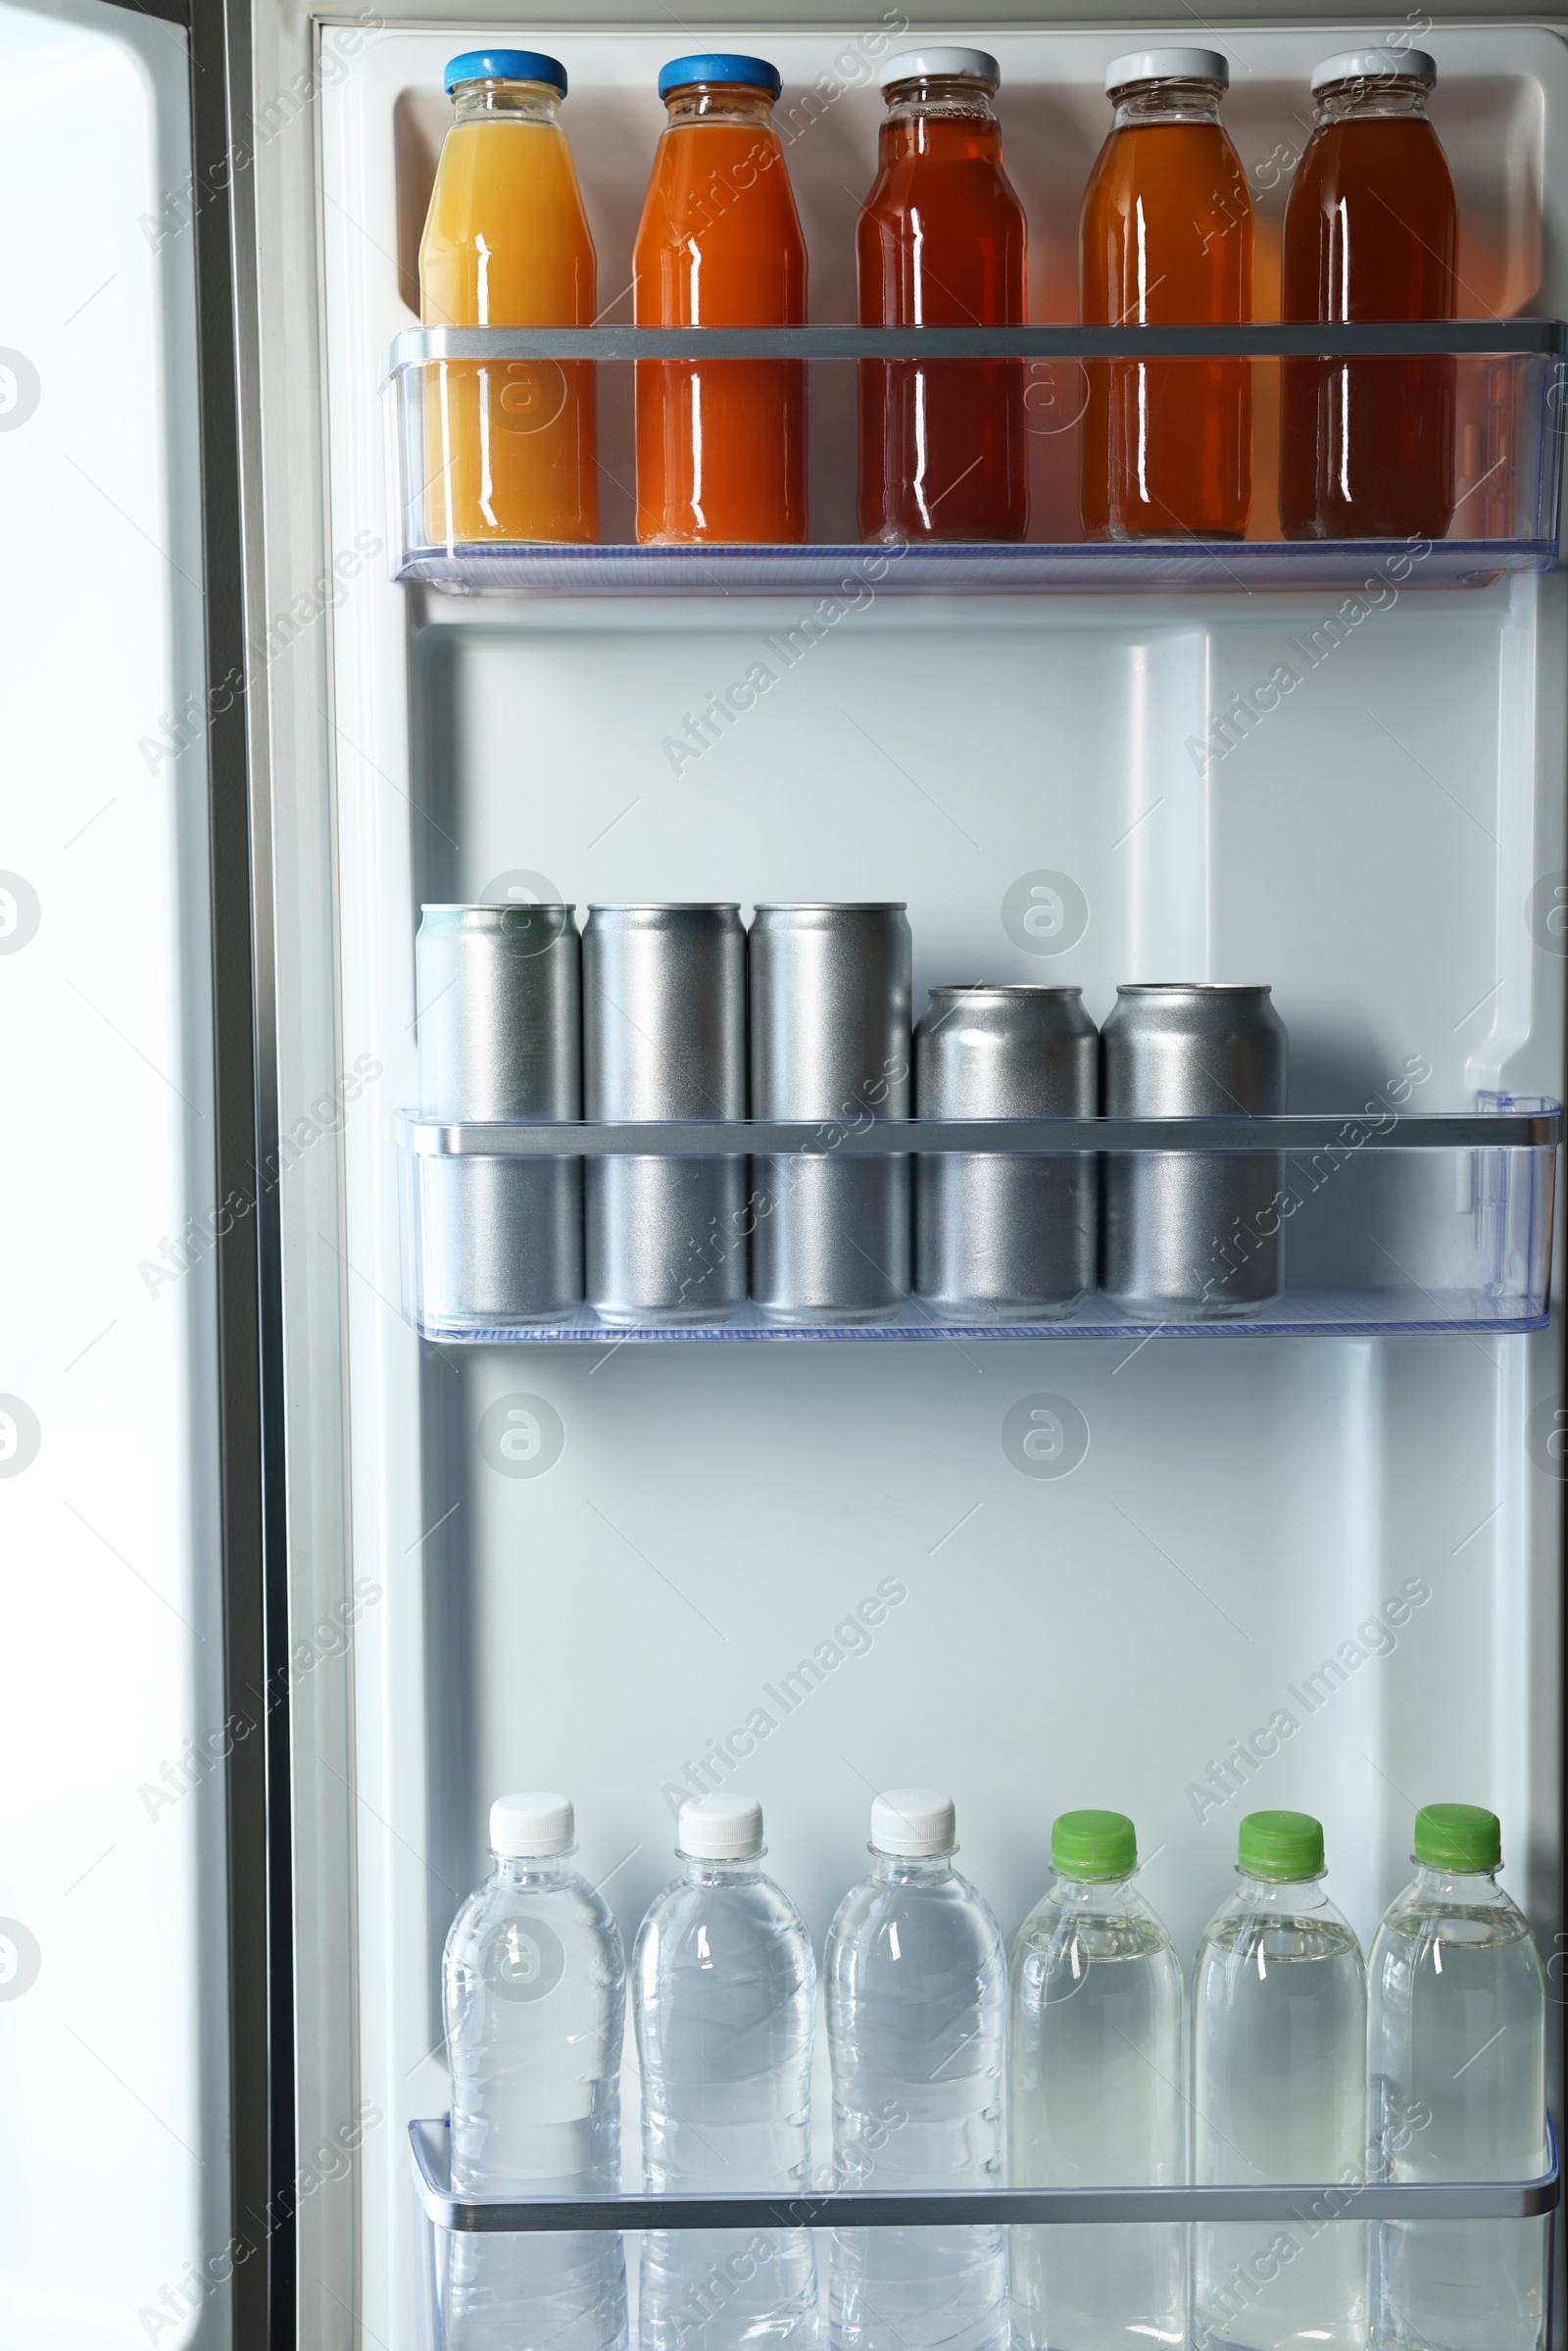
[(1507, 401), (1416, 1225), (450, 2221)]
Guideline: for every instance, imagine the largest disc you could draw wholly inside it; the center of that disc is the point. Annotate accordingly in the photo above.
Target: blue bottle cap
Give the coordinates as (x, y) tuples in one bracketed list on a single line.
[(751, 73), (506, 65)]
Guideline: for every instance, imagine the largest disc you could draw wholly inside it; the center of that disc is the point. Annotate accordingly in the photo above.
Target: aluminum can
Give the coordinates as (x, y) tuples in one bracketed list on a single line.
[(664, 1037), (830, 1040), (1195, 1235), (498, 994), (1005, 1235), (500, 1028)]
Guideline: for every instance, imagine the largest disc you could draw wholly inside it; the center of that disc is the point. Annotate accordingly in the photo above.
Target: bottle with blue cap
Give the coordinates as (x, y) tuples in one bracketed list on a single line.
[(1095, 2069), (1371, 232), (721, 443), (510, 445), (725, 2002), (916, 1981), (534, 1995), (1458, 2030), (1279, 2096), (941, 241)]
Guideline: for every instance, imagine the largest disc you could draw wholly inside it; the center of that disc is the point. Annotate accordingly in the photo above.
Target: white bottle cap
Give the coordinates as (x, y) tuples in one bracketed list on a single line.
[(925, 64), (528, 1827), (915, 1823), (1168, 65), (1376, 65), (719, 1828)]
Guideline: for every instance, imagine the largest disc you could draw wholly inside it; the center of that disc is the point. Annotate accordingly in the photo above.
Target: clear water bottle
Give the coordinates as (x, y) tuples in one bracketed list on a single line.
[(1097, 2066), (917, 2012), (534, 1984), (1279, 2095), (724, 1996), (1459, 2091)]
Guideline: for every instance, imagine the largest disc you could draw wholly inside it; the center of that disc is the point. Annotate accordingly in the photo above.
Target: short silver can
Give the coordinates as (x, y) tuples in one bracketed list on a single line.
[(1194, 1236), (830, 1007), (1005, 1235), (498, 991), (664, 1037)]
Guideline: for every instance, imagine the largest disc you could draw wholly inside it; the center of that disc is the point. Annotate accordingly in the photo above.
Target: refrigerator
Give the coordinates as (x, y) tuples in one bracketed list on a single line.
[(283, 1622)]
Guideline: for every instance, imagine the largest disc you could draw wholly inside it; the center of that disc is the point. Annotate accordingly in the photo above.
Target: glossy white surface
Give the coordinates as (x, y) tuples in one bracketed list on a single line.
[(114, 2173)]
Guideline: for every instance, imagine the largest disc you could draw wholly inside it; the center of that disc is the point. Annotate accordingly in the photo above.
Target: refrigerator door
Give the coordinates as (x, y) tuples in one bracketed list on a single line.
[(1180, 1576), (133, 1715)]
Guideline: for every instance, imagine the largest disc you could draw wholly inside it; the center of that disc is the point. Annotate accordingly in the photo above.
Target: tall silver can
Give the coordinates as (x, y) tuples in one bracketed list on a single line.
[(1005, 1235), (830, 990), (1193, 1234), (664, 1037), (500, 1029)]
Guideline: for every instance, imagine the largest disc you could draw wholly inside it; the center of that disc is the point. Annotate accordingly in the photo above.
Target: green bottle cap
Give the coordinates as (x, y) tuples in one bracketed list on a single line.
[(1457, 1836), (1280, 1845), (1091, 1845)]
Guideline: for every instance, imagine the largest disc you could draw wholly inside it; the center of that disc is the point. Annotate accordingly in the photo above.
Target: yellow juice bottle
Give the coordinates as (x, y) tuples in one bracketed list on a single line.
[(509, 448)]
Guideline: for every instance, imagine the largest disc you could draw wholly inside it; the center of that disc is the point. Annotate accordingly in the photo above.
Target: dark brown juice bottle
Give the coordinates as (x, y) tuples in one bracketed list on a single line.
[(941, 242), (1371, 233), (1165, 239)]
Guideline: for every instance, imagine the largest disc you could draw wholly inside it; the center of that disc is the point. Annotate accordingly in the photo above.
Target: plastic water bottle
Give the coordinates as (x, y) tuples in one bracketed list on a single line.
[(1459, 2091), (534, 1984), (1097, 2069), (1279, 2095), (724, 1996), (916, 2011)]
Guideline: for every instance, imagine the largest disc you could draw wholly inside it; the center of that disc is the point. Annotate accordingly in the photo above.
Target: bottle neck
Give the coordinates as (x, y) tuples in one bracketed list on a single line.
[(507, 102), (718, 102), (1171, 101), (910, 1868), (535, 1868), (940, 98), (1466, 1888), (1372, 98), (702, 1870), (1093, 1895), (1291, 1897)]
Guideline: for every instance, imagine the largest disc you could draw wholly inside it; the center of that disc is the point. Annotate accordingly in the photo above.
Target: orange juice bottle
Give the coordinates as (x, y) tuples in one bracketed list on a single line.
[(509, 445), (1165, 239), (721, 443)]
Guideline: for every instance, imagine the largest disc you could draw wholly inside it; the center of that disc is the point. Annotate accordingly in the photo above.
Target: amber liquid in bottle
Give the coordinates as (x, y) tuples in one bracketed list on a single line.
[(941, 242), (1166, 240), (1371, 232)]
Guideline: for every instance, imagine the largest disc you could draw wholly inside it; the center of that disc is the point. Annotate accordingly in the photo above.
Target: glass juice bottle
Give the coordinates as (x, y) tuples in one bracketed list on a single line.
[(509, 448), (1371, 232), (1165, 239), (941, 242), (721, 443)]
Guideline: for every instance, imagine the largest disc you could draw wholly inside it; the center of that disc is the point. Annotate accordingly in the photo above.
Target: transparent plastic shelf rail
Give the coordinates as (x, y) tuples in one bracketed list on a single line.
[(1377, 1222), (450, 390), (448, 2213)]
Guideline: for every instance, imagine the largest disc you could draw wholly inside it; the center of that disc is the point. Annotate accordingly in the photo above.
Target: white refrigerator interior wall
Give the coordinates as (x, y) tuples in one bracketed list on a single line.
[(113, 2174), (1246, 1509)]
